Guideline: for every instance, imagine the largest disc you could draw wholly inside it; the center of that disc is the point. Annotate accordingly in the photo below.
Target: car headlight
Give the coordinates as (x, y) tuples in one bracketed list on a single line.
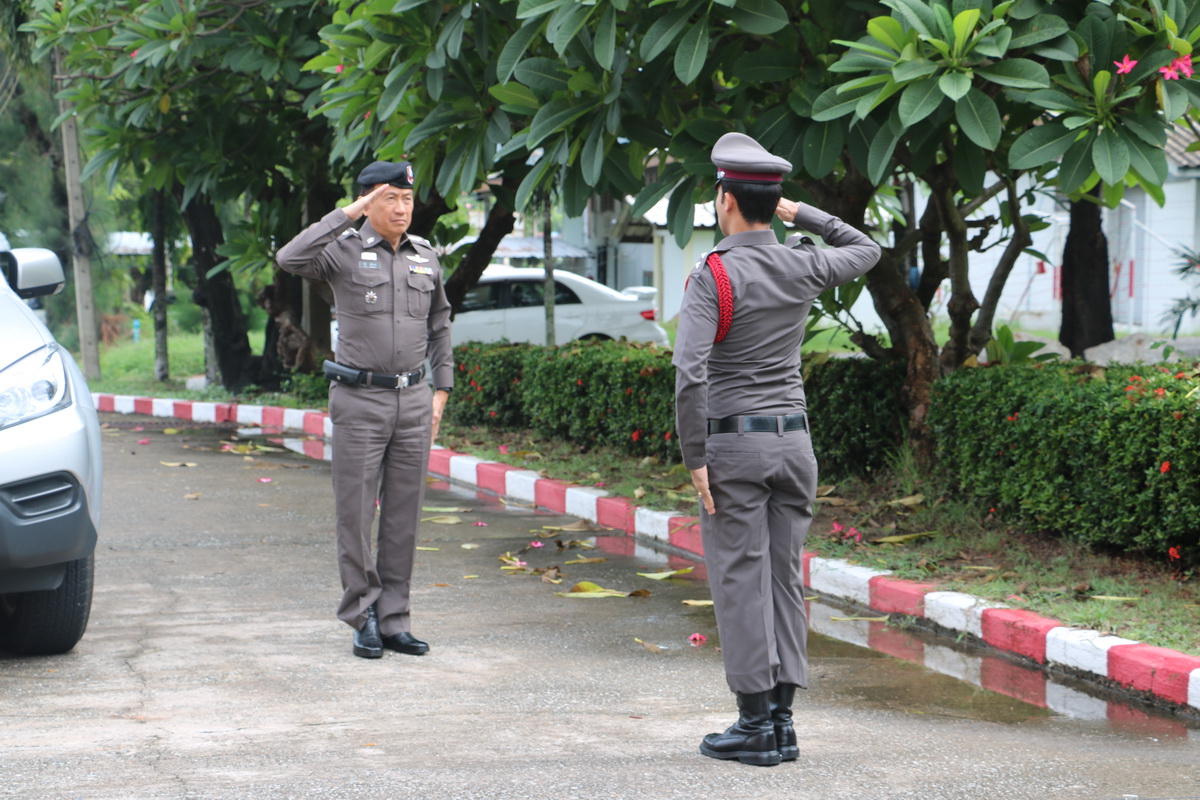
[(34, 386)]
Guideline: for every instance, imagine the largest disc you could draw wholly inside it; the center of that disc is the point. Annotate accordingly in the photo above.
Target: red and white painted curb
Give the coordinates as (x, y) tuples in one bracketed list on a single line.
[(1157, 671)]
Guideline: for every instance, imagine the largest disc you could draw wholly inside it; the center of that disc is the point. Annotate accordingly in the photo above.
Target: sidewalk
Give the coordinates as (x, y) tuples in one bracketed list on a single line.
[(1161, 675)]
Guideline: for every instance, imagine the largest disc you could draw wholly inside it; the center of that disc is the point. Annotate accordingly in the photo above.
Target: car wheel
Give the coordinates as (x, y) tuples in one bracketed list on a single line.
[(50, 622), (596, 337)]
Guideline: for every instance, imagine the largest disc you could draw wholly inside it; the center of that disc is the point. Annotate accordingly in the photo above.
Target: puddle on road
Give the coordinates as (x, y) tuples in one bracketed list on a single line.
[(860, 659)]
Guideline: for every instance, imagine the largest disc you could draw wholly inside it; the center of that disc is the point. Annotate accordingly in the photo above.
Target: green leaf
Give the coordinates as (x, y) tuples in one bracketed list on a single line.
[(831, 104), (970, 166), (964, 26), (654, 192), (681, 212), (914, 69), (606, 38), (1040, 145), (879, 157), (996, 45), (979, 119), (535, 8), (823, 144), (1076, 165), (664, 31), (1111, 157), (1149, 162), (1175, 100), (954, 85), (919, 100), (1064, 48), (544, 74), (513, 49), (1041, 28), (917, 14), (591, 163), (1020, 73), (553, 117), (762, 17), (516, 94), (887, 31), (1054, 100), (1150, 129), (692, 52), (564, 26), (1100, 88)]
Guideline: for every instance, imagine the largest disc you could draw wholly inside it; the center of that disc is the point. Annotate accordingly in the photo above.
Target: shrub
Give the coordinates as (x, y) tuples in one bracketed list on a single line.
[(1103, 457), (487, 385), (854, 408)]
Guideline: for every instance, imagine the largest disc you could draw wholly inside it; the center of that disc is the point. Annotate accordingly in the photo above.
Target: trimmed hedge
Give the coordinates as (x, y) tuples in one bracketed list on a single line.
[(1106, 457), (622, 395)]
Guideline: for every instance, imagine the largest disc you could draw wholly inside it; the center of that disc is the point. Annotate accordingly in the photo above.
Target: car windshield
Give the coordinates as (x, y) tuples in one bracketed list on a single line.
[(532, 293)]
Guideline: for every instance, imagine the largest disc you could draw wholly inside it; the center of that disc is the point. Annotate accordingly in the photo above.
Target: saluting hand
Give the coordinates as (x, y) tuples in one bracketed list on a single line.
[(786, 210), (361, 203), (700, 481)]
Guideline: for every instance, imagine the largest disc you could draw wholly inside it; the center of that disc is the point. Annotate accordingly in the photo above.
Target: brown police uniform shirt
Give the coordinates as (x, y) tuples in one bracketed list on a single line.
[(755, 369), (392, 307)]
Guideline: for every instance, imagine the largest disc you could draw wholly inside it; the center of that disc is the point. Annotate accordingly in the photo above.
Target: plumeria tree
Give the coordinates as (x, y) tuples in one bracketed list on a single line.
[(206, 102)]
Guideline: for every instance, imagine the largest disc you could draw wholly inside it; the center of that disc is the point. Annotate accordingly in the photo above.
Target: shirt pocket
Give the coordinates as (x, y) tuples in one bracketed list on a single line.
[(370, 292), (420, 294)]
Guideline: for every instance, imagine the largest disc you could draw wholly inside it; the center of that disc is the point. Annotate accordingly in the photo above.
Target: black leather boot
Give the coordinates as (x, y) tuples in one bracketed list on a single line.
[(367, 642), (781, 717), (751, 740)]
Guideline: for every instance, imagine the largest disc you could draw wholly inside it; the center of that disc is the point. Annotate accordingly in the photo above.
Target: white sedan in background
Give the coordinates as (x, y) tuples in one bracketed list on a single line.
[(508, 303)]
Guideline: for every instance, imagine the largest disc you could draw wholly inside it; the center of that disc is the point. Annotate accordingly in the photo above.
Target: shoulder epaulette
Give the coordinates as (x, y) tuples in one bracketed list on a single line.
[(724, 294), (420, 240)]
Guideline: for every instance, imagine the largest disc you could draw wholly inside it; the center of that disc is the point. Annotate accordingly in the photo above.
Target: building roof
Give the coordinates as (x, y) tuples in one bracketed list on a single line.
[(1178, 139)]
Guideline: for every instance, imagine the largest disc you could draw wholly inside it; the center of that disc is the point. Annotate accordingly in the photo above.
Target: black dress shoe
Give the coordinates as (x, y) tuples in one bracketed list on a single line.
[(367, 643), (405, 642)]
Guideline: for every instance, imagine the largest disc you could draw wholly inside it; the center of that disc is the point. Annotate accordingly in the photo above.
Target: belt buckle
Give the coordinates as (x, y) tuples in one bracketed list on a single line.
[(402, 381)]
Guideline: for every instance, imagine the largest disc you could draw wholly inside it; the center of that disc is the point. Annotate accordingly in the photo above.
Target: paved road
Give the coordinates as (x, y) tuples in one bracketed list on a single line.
[(214, 668)]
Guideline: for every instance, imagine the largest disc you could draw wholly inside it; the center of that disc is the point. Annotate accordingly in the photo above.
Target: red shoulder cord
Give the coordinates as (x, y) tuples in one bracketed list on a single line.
[(724, 295)]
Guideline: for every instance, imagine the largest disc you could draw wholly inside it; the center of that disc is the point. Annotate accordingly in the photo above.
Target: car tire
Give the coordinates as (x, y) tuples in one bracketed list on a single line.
[(595, 337), (49, 622)]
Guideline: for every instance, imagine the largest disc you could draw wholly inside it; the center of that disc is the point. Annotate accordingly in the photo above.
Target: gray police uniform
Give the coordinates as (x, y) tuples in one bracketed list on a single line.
[(741, 411), (392, 315)]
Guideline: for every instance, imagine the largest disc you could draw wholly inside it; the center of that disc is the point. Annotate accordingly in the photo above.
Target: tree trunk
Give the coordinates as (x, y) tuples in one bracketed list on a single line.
[(548, 291), (500, 222), (1086, 305), (218, 296), (158, 268)]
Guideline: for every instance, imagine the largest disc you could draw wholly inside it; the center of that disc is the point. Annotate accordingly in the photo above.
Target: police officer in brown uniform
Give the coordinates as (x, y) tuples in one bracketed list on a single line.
[(744, 433), (392, 315)]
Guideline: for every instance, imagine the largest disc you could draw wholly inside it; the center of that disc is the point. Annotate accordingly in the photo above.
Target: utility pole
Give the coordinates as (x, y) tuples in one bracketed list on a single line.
[(85, 308)]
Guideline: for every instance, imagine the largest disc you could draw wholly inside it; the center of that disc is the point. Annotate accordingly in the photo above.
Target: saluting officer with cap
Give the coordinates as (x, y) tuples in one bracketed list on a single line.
[(392, 315), (744, 433)]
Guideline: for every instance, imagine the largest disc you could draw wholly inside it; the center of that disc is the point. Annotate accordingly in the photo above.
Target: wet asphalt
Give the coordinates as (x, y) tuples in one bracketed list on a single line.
[(213, 667)]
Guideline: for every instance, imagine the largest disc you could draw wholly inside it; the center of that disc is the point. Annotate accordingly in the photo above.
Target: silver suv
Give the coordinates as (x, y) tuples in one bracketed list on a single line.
[(50, 470)]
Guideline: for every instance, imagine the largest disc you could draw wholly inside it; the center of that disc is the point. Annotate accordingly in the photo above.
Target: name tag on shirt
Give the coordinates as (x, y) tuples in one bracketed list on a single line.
[(416, 269)]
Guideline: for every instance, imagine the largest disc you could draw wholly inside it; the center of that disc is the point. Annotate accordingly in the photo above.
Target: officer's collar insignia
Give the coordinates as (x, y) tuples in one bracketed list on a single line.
[(370, 240)]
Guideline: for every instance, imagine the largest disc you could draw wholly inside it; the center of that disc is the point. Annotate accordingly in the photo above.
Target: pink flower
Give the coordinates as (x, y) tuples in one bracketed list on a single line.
[(1184, 65), (837, 527), (143, 441), (1125, 65), (1170, 72), (536, 544), (698, 639), (264, 480), (600, 484), (504, 449), (338, 69), (853, 534), (479, 524)]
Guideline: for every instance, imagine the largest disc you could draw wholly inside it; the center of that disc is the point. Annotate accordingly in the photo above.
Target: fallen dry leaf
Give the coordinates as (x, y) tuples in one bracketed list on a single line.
[(859, 619), (586, 560), (911, 501), (823, 491), (653, 648), (192, 496), (832, 501), (178, 464), (587, 590), (445, 509), (902, 538), (658, 576), (443, 520), (429, 548), (697, 602), (470, 546)]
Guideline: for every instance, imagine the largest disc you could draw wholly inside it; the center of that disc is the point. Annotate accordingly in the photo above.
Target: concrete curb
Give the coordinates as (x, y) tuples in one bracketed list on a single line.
[(1160, 673)]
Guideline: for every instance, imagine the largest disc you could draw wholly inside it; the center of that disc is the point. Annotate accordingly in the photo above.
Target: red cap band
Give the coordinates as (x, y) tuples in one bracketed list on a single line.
[(752, 177)]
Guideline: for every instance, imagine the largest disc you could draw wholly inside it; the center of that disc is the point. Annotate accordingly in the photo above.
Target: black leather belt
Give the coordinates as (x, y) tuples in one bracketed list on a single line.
[(401, 381), (791, 422), (356, 377)]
